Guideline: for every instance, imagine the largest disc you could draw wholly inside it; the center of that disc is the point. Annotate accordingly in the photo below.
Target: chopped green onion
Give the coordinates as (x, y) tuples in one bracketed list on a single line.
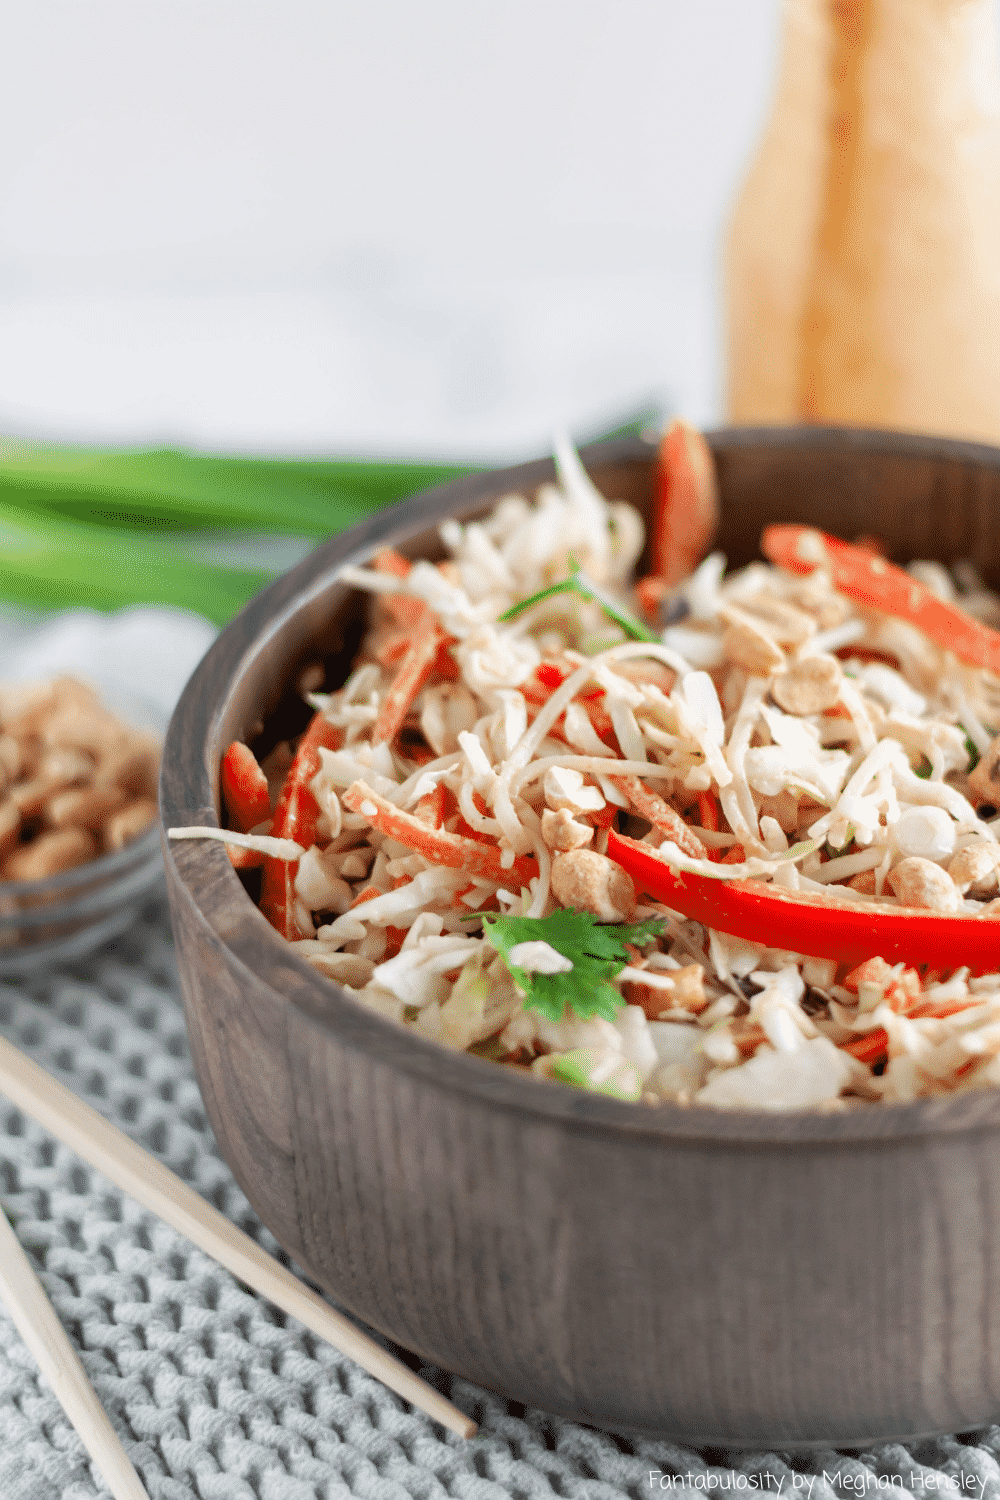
[(578, 583), (971, 748)]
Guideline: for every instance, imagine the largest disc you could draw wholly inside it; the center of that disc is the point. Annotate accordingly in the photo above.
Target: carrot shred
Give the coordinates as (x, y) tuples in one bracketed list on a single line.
[(649, 593), (394, 938), (368, 894), (414, 671), (295, 818), (430, 808), (708, 814), (436, 844), (686, 503), (646, 804), (869, 1047)]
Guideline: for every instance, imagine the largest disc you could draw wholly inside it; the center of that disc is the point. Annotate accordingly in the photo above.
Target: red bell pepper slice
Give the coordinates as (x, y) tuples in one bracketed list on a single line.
[(808, 924), (877, 584), (295, 818), (244, 788), (686, 503)]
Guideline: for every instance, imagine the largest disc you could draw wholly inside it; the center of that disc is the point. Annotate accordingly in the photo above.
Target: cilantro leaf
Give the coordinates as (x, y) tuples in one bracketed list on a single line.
[(596, 951)]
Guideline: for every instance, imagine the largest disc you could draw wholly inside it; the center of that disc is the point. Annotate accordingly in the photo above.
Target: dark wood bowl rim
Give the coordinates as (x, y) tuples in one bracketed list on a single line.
[(191, 742)]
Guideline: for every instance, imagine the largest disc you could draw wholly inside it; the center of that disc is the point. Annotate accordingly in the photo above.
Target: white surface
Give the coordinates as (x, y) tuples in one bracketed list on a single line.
[(150, 651), (328, 226)]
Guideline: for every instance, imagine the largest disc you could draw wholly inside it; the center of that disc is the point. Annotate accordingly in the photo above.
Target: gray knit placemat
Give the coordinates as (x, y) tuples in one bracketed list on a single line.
[(215, 1395)]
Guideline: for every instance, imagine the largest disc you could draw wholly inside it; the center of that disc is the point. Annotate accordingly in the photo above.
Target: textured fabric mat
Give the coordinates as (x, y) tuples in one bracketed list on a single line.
[(214, 1393)]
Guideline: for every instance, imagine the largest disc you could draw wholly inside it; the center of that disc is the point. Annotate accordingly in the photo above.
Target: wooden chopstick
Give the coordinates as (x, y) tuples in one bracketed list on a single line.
[(153, 1185), (35, 1319)]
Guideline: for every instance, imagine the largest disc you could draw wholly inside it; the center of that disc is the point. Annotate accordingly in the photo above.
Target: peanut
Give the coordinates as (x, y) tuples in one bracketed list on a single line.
[(749, 646), (132, 765), (920, 882), (50, 854), (810, 685), (562, 832), (984, 781), (83, 807), (592, 882), (787, 625), (976, 868), (129, 822)]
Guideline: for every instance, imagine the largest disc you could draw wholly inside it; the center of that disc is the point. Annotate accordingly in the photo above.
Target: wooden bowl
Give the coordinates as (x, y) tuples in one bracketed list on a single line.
[(724, 1278)]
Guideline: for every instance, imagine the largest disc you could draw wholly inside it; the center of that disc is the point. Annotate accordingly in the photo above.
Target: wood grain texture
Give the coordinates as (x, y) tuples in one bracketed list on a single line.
[(718, 1277)]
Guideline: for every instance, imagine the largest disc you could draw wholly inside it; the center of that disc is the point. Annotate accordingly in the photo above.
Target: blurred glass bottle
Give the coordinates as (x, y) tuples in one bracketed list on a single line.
[(863, 259)]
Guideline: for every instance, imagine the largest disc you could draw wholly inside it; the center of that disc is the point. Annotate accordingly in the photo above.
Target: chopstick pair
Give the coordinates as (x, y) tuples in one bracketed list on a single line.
[(150, 1183)]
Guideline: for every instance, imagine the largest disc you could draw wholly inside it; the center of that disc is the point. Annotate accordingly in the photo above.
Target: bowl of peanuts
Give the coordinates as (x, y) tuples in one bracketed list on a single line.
[(79, 835)]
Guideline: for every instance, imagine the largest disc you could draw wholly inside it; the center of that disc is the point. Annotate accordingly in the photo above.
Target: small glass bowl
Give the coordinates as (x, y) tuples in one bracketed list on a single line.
[(68, 915)]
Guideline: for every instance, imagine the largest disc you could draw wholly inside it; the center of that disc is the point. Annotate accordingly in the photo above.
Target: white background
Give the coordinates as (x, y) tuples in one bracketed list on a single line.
[(443, 226), (425, 226)]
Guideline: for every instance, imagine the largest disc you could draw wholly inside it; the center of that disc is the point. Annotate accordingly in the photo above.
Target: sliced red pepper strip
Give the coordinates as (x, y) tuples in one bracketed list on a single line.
[(437, 844), (808, 924), (686, 503), (295, 818), (244, 788), (244, 859), (878, 584)]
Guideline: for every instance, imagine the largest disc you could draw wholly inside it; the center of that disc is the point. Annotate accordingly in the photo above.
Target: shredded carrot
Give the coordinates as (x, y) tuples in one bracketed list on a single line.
[(870, 1047), (394, 937), (368, 894), (436, 844), (430, 808), (649, 593), (244, 788), (646, 804), (404, 608), (295, 818), (414, 671), (708, 815), (686, 503)]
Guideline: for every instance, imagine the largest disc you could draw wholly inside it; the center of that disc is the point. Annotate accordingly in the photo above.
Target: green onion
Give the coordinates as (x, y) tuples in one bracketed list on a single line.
[(163, 488), (54, 562), (971, 748), (578, 583), (109, 527)]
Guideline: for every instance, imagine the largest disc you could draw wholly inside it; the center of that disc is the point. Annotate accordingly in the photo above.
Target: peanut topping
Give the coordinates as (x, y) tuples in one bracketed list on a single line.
[(787, 625), (976, 868), (984, 781), (810, 685), (591, 882), (750, 646), (920, 882), (562, 832)]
